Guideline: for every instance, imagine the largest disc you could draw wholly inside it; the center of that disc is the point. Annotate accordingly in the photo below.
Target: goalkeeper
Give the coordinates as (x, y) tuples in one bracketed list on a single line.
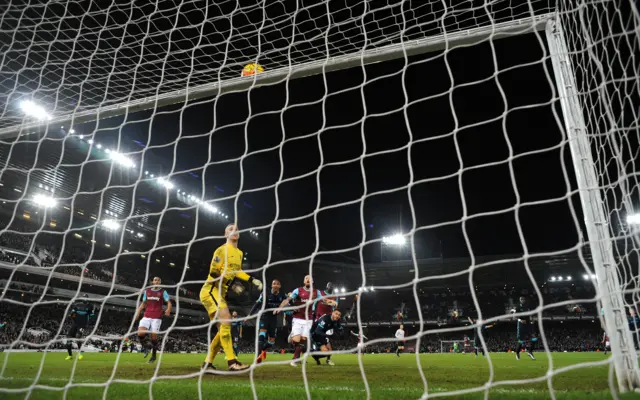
[(226, 266)]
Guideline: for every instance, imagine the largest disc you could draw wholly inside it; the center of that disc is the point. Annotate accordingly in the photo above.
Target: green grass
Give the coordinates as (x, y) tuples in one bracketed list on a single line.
[(387, 376)]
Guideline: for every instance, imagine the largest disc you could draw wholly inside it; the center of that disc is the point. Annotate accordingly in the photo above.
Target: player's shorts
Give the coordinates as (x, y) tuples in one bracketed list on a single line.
[(400, 343), (270, 324), (213, 300), (151, 324), (76, 328), (319, 340), (301, 327), (607, 344)]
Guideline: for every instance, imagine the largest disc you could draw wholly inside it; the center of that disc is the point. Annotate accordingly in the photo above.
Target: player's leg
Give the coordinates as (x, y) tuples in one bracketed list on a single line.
[(143, 328), (529, 345), (79, 342), (329, 348), (155, 328), (226, 341), (519, 342), (262, 342), (210, 303), (236, 345), (306, 334), (71, 335), (297, 328)]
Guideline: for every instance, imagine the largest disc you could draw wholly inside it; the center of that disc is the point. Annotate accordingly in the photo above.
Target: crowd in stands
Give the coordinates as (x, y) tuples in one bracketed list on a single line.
[(24, 325)]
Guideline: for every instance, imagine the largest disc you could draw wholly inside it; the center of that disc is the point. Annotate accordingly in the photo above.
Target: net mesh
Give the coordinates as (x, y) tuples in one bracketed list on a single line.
[(420, 187)]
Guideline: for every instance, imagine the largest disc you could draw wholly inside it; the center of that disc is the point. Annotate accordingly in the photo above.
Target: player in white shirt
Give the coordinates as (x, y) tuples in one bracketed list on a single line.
[(400, 337)]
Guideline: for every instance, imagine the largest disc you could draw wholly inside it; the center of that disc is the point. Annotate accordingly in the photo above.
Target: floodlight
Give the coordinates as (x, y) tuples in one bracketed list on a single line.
[(394, 240), (111, 224), (633, 219), (33, 110), (44, 201)]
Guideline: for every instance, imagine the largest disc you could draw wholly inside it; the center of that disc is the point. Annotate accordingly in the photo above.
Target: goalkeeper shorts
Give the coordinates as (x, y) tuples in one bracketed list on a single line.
[(213, 300)]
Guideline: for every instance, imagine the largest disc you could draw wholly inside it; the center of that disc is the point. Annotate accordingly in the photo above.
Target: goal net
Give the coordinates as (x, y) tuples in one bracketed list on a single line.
[(444, 169)]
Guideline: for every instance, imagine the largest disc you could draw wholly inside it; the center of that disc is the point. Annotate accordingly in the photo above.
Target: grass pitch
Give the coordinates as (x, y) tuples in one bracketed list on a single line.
[(176, 376)]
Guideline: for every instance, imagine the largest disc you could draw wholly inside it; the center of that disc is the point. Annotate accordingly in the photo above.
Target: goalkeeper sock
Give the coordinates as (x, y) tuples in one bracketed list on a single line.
[(214, 348), (227, 343)]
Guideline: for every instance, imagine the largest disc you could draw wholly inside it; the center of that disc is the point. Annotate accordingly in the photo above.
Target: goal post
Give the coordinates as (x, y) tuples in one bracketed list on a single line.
[(610, 291)]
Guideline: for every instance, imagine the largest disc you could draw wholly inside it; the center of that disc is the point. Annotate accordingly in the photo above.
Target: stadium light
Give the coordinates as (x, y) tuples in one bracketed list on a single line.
[(394, 240), (33, 110), (72, 131), (343, 290), (585, 277), (560, 278), (44, 201), (110, 224), (569, 277), (372, 289), (553, 279), (122, 159), (633, 219), (165, 183)]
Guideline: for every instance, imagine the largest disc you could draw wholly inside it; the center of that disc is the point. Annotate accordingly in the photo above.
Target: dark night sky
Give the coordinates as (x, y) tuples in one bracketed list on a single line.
[(461, 145), (361, 130)]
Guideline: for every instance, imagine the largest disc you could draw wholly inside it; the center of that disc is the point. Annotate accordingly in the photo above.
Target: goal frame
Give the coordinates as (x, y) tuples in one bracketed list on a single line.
[(468, 37), (608, 285), (608, 288)]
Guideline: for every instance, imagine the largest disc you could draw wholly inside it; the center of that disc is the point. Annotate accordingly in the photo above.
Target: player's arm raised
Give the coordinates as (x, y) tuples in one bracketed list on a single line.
[(257, 305), (292, 296)]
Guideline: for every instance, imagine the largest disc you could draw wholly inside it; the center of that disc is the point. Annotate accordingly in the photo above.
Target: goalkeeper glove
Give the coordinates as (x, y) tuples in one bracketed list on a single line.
[(257, 284)]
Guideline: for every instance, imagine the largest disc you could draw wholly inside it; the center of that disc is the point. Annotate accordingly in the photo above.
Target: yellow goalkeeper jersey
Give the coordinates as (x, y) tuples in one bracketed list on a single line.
[(226, 262)]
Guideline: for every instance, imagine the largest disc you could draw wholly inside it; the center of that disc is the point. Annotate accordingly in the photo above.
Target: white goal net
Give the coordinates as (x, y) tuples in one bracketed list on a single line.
[(442, 170)]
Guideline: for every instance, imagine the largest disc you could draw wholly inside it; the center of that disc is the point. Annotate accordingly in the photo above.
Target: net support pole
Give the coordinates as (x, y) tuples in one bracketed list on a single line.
[(622, 346), (467, 37)]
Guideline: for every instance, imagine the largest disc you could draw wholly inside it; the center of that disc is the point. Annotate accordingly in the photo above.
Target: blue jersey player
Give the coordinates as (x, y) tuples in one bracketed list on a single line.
[(236, 332), (524, 333), (81, 314), (268, 320), (320, 328)]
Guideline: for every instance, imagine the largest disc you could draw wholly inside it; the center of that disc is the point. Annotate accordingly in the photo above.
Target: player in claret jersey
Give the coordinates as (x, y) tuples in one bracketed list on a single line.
[(81, 313), (226, 266), (302, 315), (153, 301), (268, 321)]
